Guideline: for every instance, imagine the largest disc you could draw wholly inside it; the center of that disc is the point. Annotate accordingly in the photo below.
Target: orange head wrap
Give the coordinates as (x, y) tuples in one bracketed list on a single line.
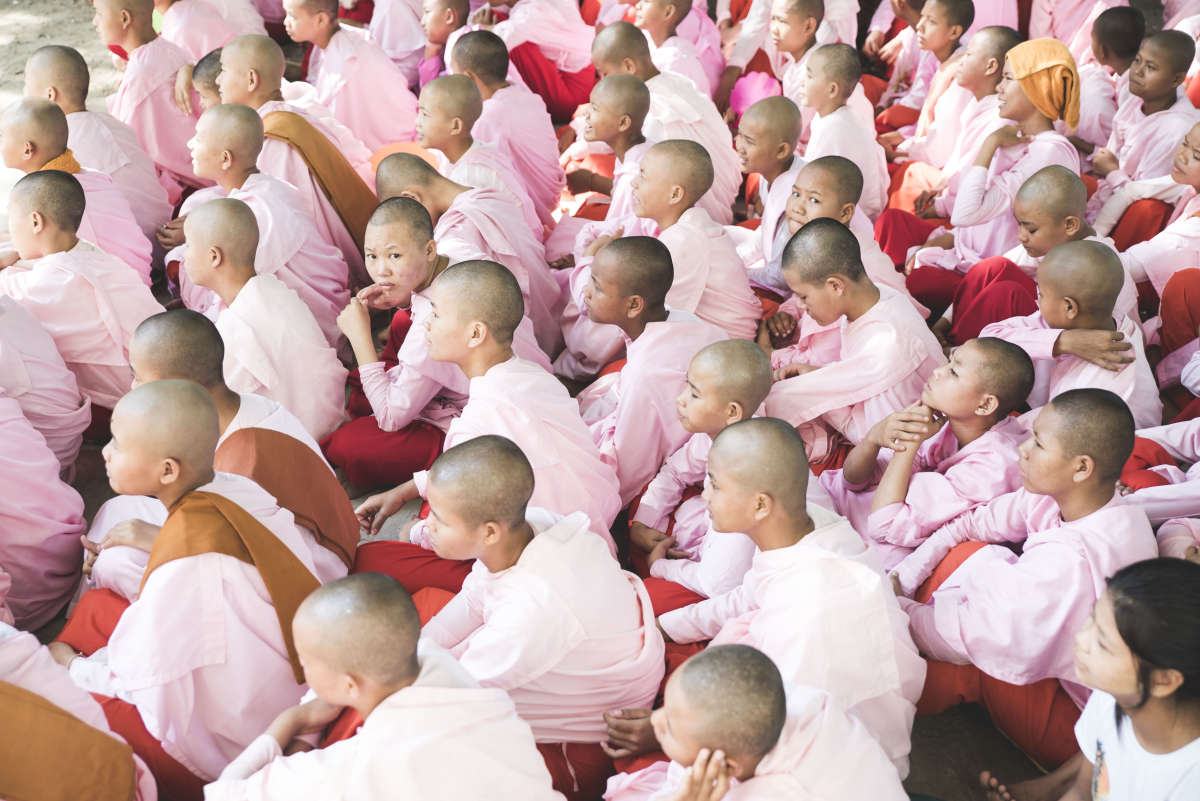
[(1046, 71)]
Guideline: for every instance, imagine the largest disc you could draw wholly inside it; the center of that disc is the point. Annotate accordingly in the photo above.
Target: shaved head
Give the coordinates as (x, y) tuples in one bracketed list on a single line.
[(840, 64), (137, 8), (1088, 271), (626, 94), (258, 53), (845, 177), (689, 165), (997, 40), (487, 479), (235, 128), (765, 455), (1056, 191), (821, 249), (400, 172), (405, 212), (36, 120), (455, 96), (204, 74), (60, 67), (958, 12), (227, 224), (171, 419), (483, 54), (738, 370), (807, 8), (737, 696), (1121, 30), (1176, 47), (180, 343), (777, 117), (1095, 423), (620, 41), (642, 266), (1005, 370), (329, 7), (54, 194), (365, 625), (484, 291)]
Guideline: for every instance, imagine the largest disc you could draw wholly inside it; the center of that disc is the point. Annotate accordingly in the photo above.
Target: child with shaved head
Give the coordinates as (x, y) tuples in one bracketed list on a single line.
[(1075, 530), (837, 381), (1075, 339), (98, 140), (266, 326), (354, 78), (726, 383), (729, 719), (203, 659), (941, 26), (632, 414), (659, 20), (544, 614), (440, 19), (34, 132), (359, 641), (951, 451), (204, 79), (145, 100)]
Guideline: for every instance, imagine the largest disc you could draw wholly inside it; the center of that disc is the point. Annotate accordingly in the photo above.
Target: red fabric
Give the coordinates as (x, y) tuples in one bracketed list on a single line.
[(934, 287), (908, 180), (361, 12), (411, 565), (958, 554), (994, 289), (1146, 453), (896, 231), (372, 457), (613, 367), (895, 117), (1190, 412), (834, 459), (667, 596), (738, 9), (1024, 9), (1091, 183), (677, 654), (1180, 310), (92, 621), (769, 299), (634, 764), (358, 405), (592, 210), (760, 63), (562, 91), (1143, 220), (97, 430), (175, 782), (873, 88), (589, 10), (1193, 90), (579, 771)]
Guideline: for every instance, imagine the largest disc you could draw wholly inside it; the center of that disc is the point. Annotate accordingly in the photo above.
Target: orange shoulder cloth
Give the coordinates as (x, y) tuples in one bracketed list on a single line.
[(204, 522), (300, 481), (48, 754), (66, 162), (351, 198)]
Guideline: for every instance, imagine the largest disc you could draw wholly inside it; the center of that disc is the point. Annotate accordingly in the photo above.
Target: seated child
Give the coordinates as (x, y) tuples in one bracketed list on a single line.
[(1153, 478), (88, 301), (1137, 652), (266, 327), (195, 26), (145, 100), (1180, 539), (632, 414), (359, 640), (727, 381), (952, 451), (840, 379), (1075, 340), (728, 716), (98, 140), (1115, 38), (203, 660), (440, 19), (204, 80), (395, 26), (941, 26), (1073, 530), (659, 20), (35, 133), (354, 78)]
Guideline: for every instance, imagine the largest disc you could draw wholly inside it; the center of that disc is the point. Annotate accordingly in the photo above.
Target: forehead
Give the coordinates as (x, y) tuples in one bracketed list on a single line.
[(394, 232), (815, 180), (704, 372), (754, 123), (1152, 51), (1045, 426), (1029, 208)]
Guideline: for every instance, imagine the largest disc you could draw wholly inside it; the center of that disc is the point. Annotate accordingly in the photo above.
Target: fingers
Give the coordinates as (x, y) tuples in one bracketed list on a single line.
[(88, 545), (617, 753), (676, 553)]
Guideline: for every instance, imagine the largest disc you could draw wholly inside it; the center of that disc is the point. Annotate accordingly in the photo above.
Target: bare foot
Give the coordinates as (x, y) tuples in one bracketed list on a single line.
[(1043, 788)]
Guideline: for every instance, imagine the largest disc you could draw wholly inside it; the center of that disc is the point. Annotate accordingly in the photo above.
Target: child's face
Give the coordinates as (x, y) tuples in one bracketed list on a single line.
[(934, 30), (788, 31), (1102, 659), (21, 231), (396, 262), (446, 334), (452, 537), (817, 87), (435, 127), (972, 69), (1150, 76), (1186, 167), (674, 723), (197, 259), (132, 468), (1038, 230), (1052, 304), (954, 388), (730, 505), (651, 15), (301, 24), (652, 187), (207, 155), (701, 408), (209, 96), (1014, 103), (107, 22), (815, 196), (601, 119), (1046, 469), (820, 302), (330, 685), (757, 149), (603, 299), (433, 22), (233, 81)]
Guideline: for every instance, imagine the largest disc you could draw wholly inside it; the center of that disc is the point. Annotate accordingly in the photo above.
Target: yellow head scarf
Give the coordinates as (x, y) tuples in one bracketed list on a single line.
[(1046, 71)]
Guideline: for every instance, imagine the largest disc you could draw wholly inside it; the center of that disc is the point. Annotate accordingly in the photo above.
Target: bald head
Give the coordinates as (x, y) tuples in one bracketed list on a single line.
[(776, 117), (820, 250), (1090, 272), (1055, 191), (736, 697), (228, 225), (1176, 48), (618, 42), (235, 128), (625, 95), (804, 9), (641, 265), (764, 455), (255, 54), (204, 74), (329, 7), (403, 172), (180, 343), (737, 370), (405, 213), (484, 291), (60, 68), (1095, 423), (688, 164), (54, 194), (486, 479), (1120, 30), (997, 40), (483, 54), (1005, 370), (364, 625), (171, 419), (136, 8), (840, 64), (454, 96), (844, 176), (36, 122)]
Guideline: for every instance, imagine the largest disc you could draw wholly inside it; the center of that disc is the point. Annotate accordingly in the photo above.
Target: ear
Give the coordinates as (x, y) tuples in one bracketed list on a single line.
[(810, 26), (629, 66), (38, 221), (1071, 307), (456, 126), (836, 285), (1084, 467), (635, 307), (492, 532), (431, 252), (987, 406), (126, 18), (28, 149), (625, 123), (678, 195), (734, 413), (1164, 682), (783, 150), (762, 506), (994, 67), (52, 94), (253, 81), (215, 256), (477, 333), (1179, 78), (169, 471), (953, 34), (846, 213), (1072, 225), (226, 160)]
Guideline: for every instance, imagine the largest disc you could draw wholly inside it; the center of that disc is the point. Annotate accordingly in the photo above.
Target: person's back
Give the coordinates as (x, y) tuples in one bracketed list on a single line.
[(197, 27)]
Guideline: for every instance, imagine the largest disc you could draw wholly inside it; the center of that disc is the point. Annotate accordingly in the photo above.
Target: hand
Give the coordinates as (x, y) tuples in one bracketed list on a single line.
[(484, 17), (1123, 489), (183, 89), (629, 733), (891, 51), (663, 550), (762, 338), (725, 87), (355, 321), (8, 258), (925, 203), (63, 654), (645, 537), (729, 32), (944, 241), (580, 181), (170, 235), (889, 142), (706, 780), (566, 137), (90, 551), (371, 296), (566, 262), (307, 718), (910, 425), (1006, 136), (596, 244), (374, 511), (1104, 161), (1107, 349), (873, 43), (780, 325), (132, 534), (791, 371)]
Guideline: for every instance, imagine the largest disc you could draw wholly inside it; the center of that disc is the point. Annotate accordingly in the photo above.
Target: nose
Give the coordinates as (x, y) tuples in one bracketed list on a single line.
[(1024, 447)]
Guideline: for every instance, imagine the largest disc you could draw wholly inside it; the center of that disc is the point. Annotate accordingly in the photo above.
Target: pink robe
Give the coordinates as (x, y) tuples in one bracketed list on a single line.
[(1097, 107), (565, 631), (857, 646), (28, 664), (243, 15), (396, 27), (1127, 299), (108, 223), (90, 303), (415, 741), (197, 27), (679, 56), (288, 248), (979, 119), (839, 134), (485, 166), (268, 332), (1179, 536), (866, 370), (947, 481), (761, 250), (103, 143), (935, 137), (632, 414), (41, 519), (620, 206), (357, 81), (878, 265), (1176, 247), (145, 101), (981, 614), (792, 77), (33, 372), (555, 26), (1180, 498), (1062, 19)]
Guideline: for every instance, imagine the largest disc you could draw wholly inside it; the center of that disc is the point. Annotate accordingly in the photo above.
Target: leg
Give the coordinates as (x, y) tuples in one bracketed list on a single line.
[(667, 596), (371, 457), (563, 93), (1180, 309), (958, 554), (1039, 718), (175, 782), (577, 770), (413, 566), (1146, 453), (92, 621), (993, 290), (1141, 221), (896, 117), (896, 231), (934, 287), (909, 180)]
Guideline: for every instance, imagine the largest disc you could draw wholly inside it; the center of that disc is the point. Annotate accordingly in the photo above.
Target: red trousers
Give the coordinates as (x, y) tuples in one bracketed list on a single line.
[(896, 117), (1039, 718), (562, 91), (873, 88), (1180, 315), (92, 621), (993, 290), (667, 596), (579, 771), (1143, 220), (910, 179), (896, 231), (934, 287), (1146, 454), (411, 565), (362, 11)]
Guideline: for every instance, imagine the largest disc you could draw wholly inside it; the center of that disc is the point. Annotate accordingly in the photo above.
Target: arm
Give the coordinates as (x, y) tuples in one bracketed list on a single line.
[(684, 468), (724, 559), (1159, 258), (752, 37), (523, 637), (459, 619), (984, 195), (1163, 189), (630, 438), (902, 432), (702, 621)]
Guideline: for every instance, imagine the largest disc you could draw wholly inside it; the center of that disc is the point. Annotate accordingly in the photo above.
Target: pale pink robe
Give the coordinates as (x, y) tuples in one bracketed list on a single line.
[(793, 76), (678, 110), (90, 303), (269, 333), (936, 136), (1179, 538), (1134, 383), (761, 250), (979, 119), (1097, 107), (396, 27), (856, 645), (1180, 498), (840, 134), (679, 56), (357, 81), (866, 370), (6, 615), (145, 101), (197, 27), (1127, 299), (201, 654), (697, 28), (620, 206), (28, 664), (1062, 19), (878, 264), (822, 753), (103, 143), (1174, 248), (632, 414), (485, 166), (904, 68), (41, 519), (108, 222), (416, 741), (566, 631), (555, 26), (981, 614), (243, 15), (947, 481), (839, 25), (289, 248), (33, 372)]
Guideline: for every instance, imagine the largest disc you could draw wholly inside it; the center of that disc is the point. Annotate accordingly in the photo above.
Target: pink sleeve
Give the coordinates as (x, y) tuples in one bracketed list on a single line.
[(1176, 537), (458, 619), (725, 557), (398, 395), (1181, 440), (1159, 258), (683, 469), (703, 621), (983, 196), (524, 637), (1030, 333), (629, 436), (923, 627)]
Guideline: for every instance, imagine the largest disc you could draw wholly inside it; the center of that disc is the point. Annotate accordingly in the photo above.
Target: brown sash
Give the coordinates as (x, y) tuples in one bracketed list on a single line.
[(48, 754), (204, 522), (300, 482), (66, 162), (352, 199)]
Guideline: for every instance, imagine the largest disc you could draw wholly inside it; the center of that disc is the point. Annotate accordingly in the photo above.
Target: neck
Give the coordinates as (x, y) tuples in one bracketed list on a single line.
[(57, 242), (1163, 726), (137, 36), (506, 553), (234, 179), (228, 404), (1094, 322), (71, 108), (672, 216), (985, 89), (1083, 500), (372, 700), (861, 299), (172, 493), (1119, 66), (647, 71), (777, 169), (1084, 232), (487, 90), (442, 197), (829, 108), (623, 142), (1035, 124), (659, 36), (799, 53), (228, 287), (946, 51), (634, 328), (484, 358), (1156, 104), (323, 36), (969, 429), (782, 531), (435, 268), (457, 147)]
